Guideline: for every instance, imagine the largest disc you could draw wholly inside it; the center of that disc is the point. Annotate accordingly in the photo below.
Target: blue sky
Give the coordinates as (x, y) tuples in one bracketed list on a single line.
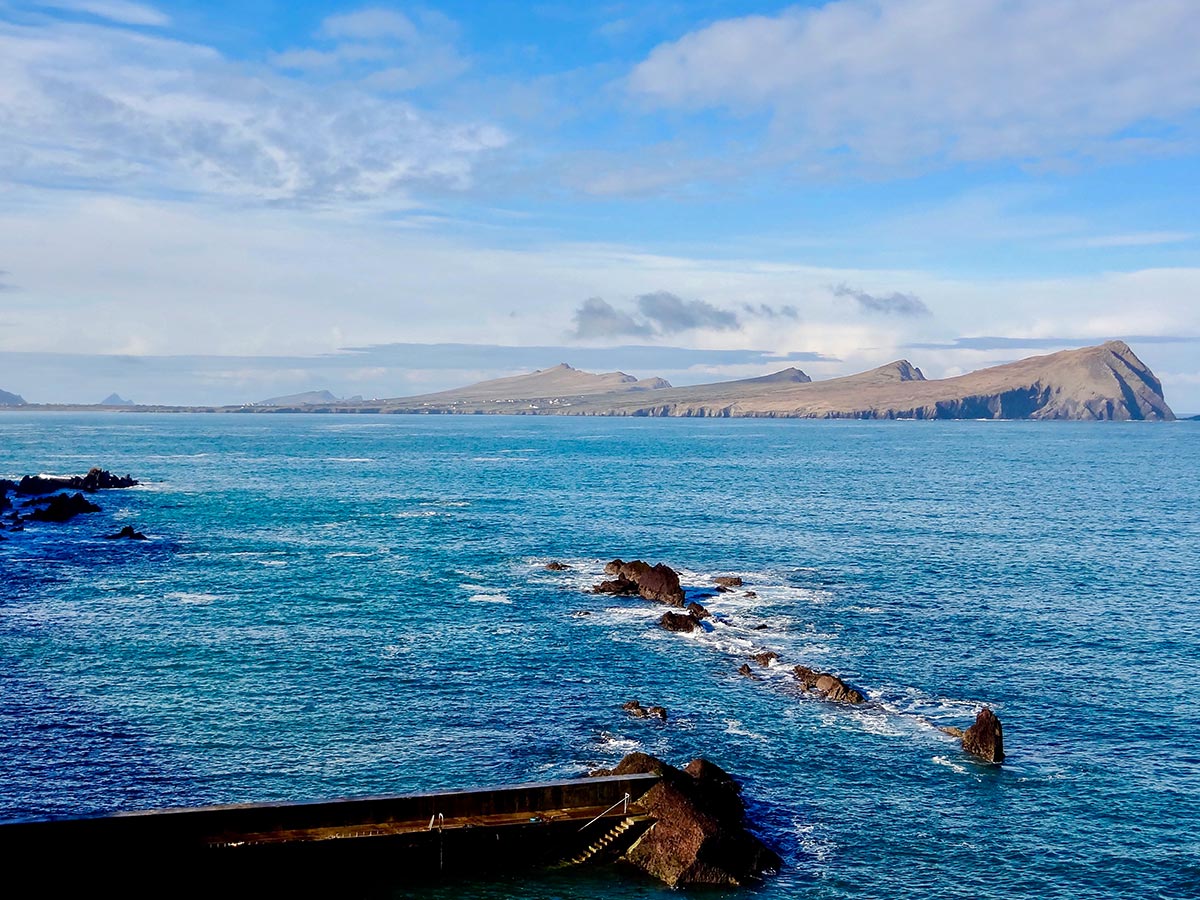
[(207, 202)]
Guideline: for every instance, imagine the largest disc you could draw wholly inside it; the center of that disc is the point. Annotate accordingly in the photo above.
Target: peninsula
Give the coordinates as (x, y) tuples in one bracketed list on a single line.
[(1104, 382)]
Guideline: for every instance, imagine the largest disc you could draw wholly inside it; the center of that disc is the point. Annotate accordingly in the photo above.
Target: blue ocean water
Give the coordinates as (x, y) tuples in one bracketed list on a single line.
[(353, 605)]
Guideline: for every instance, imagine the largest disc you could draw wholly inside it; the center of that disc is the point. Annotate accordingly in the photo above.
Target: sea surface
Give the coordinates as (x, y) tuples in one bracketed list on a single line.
[(356, 605)]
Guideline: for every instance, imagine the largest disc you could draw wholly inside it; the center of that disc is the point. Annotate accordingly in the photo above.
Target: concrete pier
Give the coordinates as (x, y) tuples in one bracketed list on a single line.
[(344, 846)]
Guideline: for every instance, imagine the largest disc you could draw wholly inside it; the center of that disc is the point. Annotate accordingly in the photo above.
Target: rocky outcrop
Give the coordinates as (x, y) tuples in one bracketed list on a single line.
[(680, 622), (985, 738), (556, 566), (659, 582), (699, 835), (127, 533), (829, 686), (96, 479), (635, 709), (766, 657), (697, 611), (728, 581), (744, 669), (63, 508)]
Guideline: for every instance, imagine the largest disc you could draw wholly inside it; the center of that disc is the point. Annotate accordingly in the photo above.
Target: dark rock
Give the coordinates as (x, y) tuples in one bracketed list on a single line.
[(583, 613), (635, 709), (762, 627), (96, 479), (556, 566), (678, 622), (659, 582), (744, 669), (985, 738), (728, 581), (696, 611), (700, 835), (765, 658), (657, 712), (63, 507), (832, 687), (750, 594), (951, 730), (127, 533)]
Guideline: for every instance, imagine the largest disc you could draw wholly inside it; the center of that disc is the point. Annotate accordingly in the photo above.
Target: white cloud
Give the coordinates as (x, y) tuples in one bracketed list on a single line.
[(122, 110), (897, 82), (121, 11)]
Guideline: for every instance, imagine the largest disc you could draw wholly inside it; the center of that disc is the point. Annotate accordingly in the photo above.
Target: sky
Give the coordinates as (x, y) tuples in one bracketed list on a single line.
[(221, 202)]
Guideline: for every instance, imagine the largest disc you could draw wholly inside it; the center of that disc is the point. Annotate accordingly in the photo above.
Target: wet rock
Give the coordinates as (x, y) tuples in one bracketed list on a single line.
[(635, 709), (617, 586), (696, 611), (96, 479), (583, 613), (750, 595), (985, 738), (680, 622), (728, 581), (658, 582), (762, 627), (828, 685), (126, 533), (700, 835), (556, 566), (951, 730), (766, 657), (63, 507), (744, 669)]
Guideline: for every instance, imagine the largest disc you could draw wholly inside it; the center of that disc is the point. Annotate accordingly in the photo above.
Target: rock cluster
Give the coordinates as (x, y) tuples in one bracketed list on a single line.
[(635, 709), (48, 500), (700, 835), (637, 578), (63, 508), (830, 686)]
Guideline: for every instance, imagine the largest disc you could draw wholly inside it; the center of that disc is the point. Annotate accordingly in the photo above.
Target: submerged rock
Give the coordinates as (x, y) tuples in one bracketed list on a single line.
[(696, 611), (728, 581), (635, 709), (63, 507), (700, 835), (830, 686), (985, 738), (766, 657), (744, 669), (556, 566), (126, 533)]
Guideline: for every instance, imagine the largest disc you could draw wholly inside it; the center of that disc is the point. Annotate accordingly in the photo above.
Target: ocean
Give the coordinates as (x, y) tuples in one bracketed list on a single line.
[(357, 605)]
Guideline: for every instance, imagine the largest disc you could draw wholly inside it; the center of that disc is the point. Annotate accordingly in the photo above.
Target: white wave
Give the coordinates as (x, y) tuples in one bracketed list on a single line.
[(347, 553), (273, 563), (504, 459), (490, 598), (186, 597), (734, 726), (349, 459), (950, 764)]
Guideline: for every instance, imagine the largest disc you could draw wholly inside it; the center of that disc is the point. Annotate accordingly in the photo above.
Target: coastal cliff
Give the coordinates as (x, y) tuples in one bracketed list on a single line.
[(1105, 382)]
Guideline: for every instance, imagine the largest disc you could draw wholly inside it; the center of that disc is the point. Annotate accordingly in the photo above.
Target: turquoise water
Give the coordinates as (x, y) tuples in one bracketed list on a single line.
[(351, 605)]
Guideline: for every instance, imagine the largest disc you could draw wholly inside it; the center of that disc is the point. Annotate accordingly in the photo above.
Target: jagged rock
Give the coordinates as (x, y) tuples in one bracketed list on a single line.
[(126, 533), (728, 581), (762, 627), (985, 738), (951, 730), (556, 566), (63, 507), (635, 709), (659, 582), (678, 622), (96, 479), (766, 657), (700, 835), (618, 586), (750, 595), (832, 687), (744, 669), (696, 611)]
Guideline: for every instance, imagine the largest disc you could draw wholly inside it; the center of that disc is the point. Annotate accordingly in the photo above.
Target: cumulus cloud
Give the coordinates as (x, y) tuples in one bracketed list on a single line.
[(893, 304), (597, 318), (103, 106), (670, 314), (896, 82)]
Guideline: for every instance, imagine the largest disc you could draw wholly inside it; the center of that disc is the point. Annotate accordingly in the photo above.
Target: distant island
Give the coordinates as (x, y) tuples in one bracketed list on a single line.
[(115, 399), (1104, 382), (7, 399)]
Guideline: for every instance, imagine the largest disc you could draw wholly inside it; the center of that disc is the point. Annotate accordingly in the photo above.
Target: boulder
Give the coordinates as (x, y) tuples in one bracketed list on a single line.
[(750, 595), (696, 611), (985, 738), (618, 586), (728, 581), (678, 622), (635, 709), (126, 533), (744, 669), (63, 507), (659, 582), (766, 657), (556, 566), (700, 835), (658, 712), (828, 685)]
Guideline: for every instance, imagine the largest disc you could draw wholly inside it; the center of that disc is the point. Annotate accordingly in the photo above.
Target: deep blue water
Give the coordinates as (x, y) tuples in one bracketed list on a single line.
[(342, 606)]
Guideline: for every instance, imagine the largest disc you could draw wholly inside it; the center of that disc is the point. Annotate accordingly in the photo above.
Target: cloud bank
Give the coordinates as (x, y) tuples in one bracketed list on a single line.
[(893, 304)]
